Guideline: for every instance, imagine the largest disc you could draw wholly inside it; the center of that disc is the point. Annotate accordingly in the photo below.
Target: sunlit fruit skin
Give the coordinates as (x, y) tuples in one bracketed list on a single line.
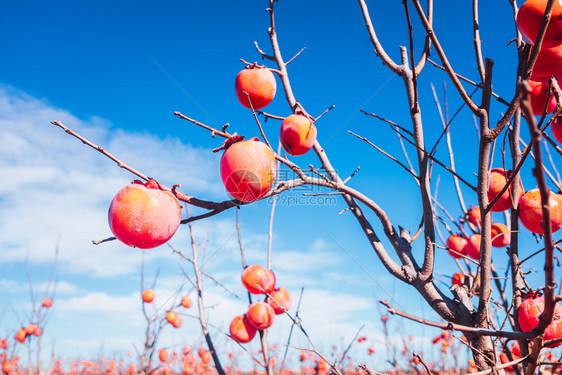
[(529, 20), (260, 315), (538, 94), (548, 64), (143, 216), (457, 279), (515, 349), (457, 243), (321, 367), (8, 367), (258, 280), (555, 328), (505, 359), (148, 296), (530, 211), (186, 302), (472, 248), (205, 355), (47, 302), (259, 83), (177, 322), (497, 180), (297, 135), (474, 216), (500, 235), (556, 128), (248, 170), (171, 316), (280, 300), (21, 335), (529, 312), (30, 329), (241, 330), (163, 355)]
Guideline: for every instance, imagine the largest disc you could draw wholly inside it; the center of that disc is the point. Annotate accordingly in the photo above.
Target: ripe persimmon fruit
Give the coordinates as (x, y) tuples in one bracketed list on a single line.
[(530, 211), (248, 170), (259, 82), (297, 135), (143, 215), (258, 280)]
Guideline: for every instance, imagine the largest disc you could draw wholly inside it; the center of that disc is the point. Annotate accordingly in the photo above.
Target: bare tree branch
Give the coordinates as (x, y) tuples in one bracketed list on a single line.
[(379, 50)]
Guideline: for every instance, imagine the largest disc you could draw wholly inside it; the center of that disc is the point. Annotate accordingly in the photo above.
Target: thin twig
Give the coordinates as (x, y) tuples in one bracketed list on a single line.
[(422, 362), (297, 318), (477, 85), (294, 57), (213, 131), (384, 153), (323, 113), (458, 327), (97, 242), (350, 345), (257, 120)]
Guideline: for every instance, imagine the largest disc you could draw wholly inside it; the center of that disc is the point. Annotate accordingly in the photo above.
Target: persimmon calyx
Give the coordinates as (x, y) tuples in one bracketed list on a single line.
[(235, 138)]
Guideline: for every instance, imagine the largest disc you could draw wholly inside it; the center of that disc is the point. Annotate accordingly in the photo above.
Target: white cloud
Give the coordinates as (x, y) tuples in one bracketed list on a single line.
[(100, 303), (56, 190), (60, 287)]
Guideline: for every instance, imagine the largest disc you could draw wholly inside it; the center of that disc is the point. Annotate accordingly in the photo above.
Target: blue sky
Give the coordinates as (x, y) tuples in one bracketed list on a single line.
[(116, 72)]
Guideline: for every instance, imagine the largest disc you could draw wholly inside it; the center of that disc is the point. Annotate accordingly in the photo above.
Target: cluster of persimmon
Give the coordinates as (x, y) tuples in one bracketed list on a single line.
[(472, 367), (549, 60), (190, 365), (529, 312), (145, 215), (204, 355), (171, 316), (248, 167), (515, 353), (530, 215), (189, 362), (528, 318), (319, 366), (9, 366), (445, 339), (260, 315), (31, 329)]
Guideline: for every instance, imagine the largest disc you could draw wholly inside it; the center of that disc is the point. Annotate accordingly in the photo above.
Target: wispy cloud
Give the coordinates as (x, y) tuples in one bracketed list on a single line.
[(100, 303), (60, 287), (56, 190)]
